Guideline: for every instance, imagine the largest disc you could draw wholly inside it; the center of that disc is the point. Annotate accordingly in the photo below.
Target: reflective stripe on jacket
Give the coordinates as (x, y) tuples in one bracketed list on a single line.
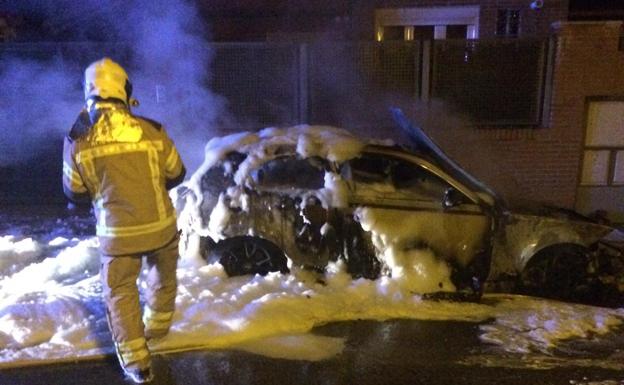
[(124, 162)]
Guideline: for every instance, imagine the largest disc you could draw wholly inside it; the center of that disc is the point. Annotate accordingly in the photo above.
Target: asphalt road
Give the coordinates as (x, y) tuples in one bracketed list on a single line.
[(391, 352)]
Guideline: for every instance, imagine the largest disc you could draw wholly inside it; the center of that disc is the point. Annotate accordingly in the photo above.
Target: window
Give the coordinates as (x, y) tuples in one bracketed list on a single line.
[(603, 158), (370, 170), (426, 20), (423, 32), (291, 173), (508, 23), (397, 177), (221, 175), (393, 33), (412, 179)]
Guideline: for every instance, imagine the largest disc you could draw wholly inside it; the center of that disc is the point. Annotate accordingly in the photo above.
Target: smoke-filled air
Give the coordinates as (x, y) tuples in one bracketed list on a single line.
[(161, 44)]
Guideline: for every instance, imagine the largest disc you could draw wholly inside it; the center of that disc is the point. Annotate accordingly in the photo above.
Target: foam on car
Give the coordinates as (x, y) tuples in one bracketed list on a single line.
[(417, 269), (327, 142)]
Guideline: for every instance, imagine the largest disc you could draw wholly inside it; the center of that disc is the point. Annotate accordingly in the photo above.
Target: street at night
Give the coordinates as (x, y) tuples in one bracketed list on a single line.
[(302, 192), (339, 332)]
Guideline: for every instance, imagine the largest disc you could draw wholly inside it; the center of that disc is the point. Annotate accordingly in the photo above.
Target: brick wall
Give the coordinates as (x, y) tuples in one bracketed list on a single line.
[(544, 163), (588, 64)]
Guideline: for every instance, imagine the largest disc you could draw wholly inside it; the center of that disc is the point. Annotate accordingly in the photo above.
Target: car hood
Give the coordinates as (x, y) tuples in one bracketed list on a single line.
[(589, 229), (426, 147), (525, 207)]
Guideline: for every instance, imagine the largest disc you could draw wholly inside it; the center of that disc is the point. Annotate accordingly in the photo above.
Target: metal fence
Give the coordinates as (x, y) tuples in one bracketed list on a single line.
[(353, 84), (260, 81), (343, 84), (496, 82), (329, 83), (75, 55)]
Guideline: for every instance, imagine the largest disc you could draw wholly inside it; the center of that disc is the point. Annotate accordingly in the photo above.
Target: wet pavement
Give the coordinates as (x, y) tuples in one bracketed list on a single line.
[(390, 352)]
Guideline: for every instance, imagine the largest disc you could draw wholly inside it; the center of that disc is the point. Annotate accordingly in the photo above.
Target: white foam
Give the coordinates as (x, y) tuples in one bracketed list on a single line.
[(50, 306), (61, 315), (17, 253)]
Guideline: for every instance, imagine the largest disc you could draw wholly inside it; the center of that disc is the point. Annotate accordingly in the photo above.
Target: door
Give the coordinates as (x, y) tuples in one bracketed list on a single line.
[(402, 203)]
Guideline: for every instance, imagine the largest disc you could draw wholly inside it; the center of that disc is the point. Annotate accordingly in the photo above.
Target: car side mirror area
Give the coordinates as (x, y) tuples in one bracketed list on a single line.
[(452, 198)]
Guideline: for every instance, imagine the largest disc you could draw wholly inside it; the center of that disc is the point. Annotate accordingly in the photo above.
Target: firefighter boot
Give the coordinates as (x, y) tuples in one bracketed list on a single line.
[(140, 376)]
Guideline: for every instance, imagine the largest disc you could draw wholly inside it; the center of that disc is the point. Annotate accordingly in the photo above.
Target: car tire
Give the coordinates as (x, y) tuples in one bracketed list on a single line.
[(557, 272), (244, 255)]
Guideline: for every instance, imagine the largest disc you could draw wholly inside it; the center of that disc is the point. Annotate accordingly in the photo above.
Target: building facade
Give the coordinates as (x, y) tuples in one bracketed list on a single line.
[(573, 157), (381, 19)]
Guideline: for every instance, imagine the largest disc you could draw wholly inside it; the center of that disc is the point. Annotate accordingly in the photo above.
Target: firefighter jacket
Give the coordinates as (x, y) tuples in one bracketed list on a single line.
[(124, 165)]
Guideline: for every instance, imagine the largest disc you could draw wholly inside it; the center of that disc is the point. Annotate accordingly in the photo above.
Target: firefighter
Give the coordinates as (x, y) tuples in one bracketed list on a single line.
[(124, 164)]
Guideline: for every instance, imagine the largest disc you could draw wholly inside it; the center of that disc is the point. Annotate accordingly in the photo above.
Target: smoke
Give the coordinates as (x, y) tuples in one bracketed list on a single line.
[(171, 68), (162, 44), (35, 104)]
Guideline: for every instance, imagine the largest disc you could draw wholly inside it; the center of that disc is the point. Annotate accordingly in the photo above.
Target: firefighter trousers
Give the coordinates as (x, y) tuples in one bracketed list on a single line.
[(119, 274)]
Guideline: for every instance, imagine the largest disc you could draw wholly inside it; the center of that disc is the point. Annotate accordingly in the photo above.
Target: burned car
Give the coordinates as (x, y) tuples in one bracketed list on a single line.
[(308, 196)]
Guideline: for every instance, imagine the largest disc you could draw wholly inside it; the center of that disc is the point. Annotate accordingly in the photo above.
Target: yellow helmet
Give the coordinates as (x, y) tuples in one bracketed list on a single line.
[(107, 79)]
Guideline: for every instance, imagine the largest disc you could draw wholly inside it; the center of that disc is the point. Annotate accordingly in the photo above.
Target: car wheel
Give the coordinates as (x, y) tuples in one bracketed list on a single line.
[(557, 272), (249, 255)]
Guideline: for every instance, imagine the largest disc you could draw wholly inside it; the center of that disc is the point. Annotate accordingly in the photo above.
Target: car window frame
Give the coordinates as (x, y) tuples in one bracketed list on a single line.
[(284, 157), (427, 165)]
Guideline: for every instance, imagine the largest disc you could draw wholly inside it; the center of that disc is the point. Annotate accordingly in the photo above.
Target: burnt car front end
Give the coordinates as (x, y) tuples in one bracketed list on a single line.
[(547, 251)]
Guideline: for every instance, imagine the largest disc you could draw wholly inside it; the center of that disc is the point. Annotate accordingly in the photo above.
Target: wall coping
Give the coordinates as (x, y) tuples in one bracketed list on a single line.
[(558, 25)]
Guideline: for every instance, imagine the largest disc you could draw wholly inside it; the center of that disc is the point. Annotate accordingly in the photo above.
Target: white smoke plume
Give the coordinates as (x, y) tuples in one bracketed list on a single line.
[(168, 63)]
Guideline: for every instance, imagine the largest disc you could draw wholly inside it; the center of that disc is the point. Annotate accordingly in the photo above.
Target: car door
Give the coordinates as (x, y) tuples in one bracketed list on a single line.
[(406, 202), (285, 208)]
